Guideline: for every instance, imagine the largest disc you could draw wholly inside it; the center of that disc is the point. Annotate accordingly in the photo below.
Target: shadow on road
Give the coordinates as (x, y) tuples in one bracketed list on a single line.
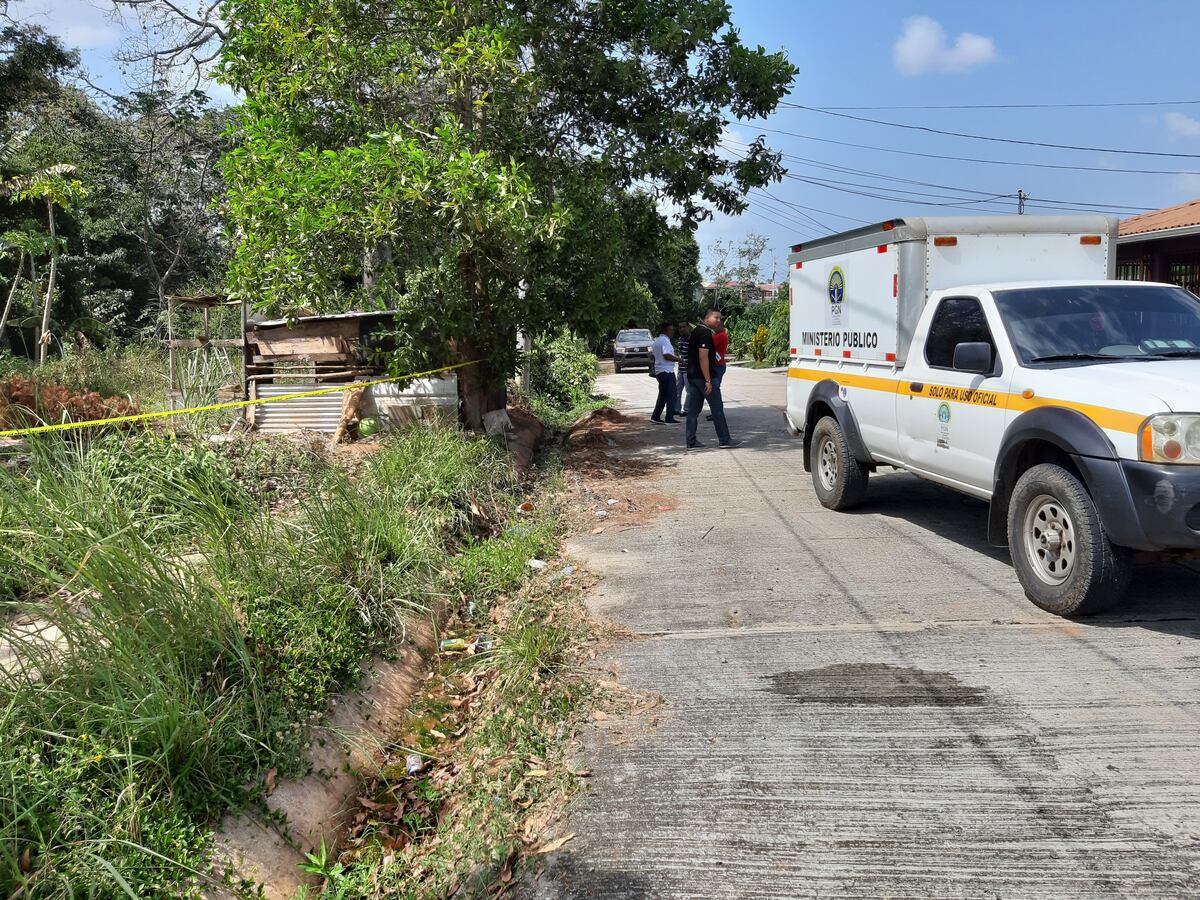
[(1163, 597)]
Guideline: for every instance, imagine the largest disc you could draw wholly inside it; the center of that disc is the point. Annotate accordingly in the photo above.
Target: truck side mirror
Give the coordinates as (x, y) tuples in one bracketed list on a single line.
[(973, 356)]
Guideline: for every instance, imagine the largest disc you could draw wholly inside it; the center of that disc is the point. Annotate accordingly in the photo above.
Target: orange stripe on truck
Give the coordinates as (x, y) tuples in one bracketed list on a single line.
[(1112, 419)]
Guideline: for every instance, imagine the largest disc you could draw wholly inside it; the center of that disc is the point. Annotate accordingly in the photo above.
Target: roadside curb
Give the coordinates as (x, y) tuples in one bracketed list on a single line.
[(304, 812)]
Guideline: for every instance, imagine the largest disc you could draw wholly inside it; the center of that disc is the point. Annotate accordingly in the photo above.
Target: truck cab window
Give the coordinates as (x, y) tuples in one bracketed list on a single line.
[(958, 320)]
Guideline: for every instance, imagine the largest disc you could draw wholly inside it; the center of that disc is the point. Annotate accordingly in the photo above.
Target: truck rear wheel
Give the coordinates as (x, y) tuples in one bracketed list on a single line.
[(1062, 555), (839, 479)]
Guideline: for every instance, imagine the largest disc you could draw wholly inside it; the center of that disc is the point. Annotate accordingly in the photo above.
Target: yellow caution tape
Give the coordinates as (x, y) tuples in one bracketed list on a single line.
[(232, 404)]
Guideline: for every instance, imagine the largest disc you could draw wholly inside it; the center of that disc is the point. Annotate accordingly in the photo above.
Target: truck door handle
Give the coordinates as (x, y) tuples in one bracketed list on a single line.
[(916, 387)]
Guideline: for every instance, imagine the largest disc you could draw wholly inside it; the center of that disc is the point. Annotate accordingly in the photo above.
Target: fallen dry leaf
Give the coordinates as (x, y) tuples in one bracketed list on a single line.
[(437, 734), (599, 530), (369, 803), (600, 716), (664, 509), (538, 773), (272, 774), (555, 844)]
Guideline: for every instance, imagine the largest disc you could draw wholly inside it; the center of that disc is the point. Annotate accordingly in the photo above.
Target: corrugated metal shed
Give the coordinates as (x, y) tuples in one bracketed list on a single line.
[(304, 413), (395, 403)]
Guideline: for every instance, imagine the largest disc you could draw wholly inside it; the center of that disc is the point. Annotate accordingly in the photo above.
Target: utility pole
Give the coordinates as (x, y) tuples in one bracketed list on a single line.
[(1021, 198)]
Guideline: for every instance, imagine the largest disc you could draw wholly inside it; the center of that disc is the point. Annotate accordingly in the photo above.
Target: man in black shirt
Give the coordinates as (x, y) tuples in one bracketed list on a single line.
[(702, 361)]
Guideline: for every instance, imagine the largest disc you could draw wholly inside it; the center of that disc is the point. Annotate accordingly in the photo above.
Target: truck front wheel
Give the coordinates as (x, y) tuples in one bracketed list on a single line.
[(1062, 555), (839, 479)]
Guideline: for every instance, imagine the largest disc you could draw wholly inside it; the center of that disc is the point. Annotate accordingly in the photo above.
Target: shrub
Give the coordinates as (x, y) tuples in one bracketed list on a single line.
[(562, 370)]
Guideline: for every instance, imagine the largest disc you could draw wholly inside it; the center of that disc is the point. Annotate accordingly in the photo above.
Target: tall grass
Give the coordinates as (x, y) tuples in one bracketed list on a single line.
[(185, 633)]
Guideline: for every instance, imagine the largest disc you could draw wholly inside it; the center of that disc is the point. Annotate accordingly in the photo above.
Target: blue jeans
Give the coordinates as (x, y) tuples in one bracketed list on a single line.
[(718, 374), (695, 403)]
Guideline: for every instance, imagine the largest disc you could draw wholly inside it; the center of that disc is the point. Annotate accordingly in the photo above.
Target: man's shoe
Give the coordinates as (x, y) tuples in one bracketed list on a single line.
[(731, 444), (659, 421), (709, 417), (673, 421), (695, 446)]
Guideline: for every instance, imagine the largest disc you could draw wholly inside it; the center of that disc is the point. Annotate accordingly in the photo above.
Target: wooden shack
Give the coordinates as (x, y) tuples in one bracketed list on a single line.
[(287, 357)]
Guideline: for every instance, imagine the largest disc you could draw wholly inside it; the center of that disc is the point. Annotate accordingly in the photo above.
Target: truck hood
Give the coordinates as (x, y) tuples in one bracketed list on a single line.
[(1166, 385)]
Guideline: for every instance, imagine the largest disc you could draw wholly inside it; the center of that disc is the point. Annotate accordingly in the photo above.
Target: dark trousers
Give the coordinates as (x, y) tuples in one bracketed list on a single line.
[(666, 395), (695, 403)]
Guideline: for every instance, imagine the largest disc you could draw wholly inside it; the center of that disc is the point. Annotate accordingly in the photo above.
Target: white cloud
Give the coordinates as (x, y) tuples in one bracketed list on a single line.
[(1188, 185), (1181, 126), (81, 24), (923, 47)]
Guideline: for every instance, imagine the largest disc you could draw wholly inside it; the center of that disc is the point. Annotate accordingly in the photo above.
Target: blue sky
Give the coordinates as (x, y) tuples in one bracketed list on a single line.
[(877, 53)]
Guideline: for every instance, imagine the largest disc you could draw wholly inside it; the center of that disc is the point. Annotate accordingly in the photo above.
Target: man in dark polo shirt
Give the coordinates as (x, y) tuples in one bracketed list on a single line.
[(702, 363)]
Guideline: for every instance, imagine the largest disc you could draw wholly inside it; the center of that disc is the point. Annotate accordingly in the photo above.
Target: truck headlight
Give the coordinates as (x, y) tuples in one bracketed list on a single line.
[(1171, 438)]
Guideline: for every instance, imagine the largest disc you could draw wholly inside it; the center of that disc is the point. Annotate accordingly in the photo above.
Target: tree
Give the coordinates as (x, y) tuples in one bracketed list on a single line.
[(738, 262), (496, 163), (52, 187), (28, 243)]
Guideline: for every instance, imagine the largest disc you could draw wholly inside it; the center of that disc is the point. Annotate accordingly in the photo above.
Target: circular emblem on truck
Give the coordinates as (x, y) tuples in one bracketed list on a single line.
[(944, 413), (837, 286)]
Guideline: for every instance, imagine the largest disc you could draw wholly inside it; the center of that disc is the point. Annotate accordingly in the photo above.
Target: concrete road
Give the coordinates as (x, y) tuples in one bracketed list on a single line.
[(865, 705)]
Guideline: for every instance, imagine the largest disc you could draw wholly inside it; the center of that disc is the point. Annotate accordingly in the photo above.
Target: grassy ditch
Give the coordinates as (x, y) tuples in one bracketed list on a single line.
[(177, 616), (490, 730)]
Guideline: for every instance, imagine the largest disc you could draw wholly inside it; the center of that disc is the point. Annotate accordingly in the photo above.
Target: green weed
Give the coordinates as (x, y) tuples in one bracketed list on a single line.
[(186, 632)]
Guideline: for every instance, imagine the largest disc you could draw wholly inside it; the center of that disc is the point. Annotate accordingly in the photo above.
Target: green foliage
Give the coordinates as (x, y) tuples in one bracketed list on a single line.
[(774, 318), (473, 165), (758, 343), (562, 370), (196, 632)]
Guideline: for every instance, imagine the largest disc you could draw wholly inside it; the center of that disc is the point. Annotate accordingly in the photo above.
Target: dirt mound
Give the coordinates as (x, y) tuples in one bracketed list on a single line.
[(599, 428), (525, 436)]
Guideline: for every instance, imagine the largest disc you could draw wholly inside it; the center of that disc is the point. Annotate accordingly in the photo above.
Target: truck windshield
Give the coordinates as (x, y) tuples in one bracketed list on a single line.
[(638, 335), (1100, 322)]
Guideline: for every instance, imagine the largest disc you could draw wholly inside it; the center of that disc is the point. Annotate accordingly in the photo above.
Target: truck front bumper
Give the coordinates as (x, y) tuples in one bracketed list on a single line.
[(1146, 506), (1167, 500), (633, 359)]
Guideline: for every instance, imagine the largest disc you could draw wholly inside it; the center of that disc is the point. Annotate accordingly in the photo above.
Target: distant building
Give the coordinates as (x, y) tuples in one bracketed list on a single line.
[(751, 293), (1163, 245)]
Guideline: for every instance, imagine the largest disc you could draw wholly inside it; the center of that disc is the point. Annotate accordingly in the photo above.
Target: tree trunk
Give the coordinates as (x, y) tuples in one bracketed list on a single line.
[(480, 391), (11, 296), (44, 335)]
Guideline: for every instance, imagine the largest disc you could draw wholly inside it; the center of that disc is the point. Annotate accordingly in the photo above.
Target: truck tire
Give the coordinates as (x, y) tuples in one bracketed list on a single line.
[(616, 368), (840, 480), (1062, 555)]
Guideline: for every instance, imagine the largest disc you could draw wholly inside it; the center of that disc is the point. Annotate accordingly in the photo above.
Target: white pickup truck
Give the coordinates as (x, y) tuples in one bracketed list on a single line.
[(995, 356)]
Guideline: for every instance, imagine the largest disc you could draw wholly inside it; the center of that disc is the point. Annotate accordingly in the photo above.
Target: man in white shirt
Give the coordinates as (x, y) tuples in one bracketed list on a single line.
[(664, 374)]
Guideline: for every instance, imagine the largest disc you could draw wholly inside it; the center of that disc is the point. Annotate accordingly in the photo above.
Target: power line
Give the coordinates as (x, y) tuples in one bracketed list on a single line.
[(846, 170), (983, 199), (974, 159), (794, 211), (824, 212), (766, 218), (1014, 106), (788, 217), (985, 137)]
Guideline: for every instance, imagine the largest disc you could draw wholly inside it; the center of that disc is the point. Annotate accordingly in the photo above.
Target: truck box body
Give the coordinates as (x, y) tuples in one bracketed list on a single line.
[(858, 295)]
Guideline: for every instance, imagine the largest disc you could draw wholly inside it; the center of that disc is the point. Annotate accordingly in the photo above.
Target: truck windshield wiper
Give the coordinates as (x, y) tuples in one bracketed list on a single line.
[(1068, 357), (1193, 351)]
